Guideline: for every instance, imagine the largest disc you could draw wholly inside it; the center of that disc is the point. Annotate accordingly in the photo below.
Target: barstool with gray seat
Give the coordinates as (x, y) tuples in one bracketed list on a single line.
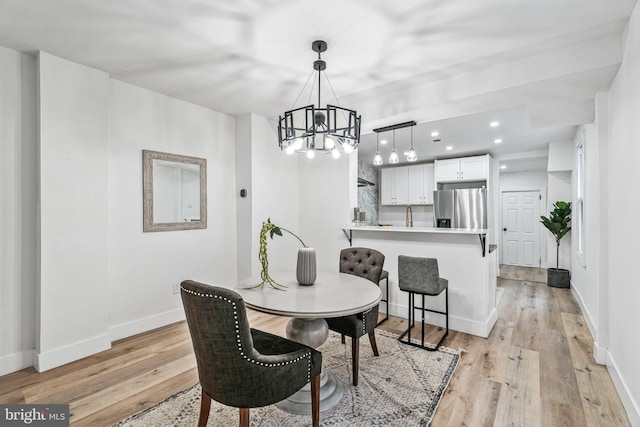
[(421, 276)]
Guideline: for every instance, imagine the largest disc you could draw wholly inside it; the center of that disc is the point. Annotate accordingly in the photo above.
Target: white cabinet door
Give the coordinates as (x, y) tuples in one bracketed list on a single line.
[(401, 185), (448, 170), (421, 184), (473, 168), (429, 184), (386, 186), (462, 169), (416, 185), (394, 186)]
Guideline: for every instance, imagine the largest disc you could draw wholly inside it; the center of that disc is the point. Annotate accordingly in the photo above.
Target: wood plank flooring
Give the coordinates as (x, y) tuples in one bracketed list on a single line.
[(535, 369)]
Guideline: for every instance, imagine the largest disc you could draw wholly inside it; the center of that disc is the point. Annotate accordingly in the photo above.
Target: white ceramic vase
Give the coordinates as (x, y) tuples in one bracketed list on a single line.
[(306, 268)]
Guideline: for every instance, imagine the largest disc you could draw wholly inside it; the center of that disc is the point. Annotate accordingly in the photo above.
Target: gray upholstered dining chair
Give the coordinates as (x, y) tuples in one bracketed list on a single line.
[(421, 276), (367, 263), (240, 366)]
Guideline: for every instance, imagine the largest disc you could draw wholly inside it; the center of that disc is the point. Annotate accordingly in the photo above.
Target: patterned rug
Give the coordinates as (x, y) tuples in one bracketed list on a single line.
[(401, 387)]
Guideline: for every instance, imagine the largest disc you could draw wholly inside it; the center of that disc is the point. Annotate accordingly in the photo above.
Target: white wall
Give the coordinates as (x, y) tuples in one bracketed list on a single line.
[(18, 144), (585, 268), (558, 189), (274, 185), (327, 193), (523, 181), (100, 277), (624, 235), (73, 311), (560, 156), (244, 205), (144, 266)]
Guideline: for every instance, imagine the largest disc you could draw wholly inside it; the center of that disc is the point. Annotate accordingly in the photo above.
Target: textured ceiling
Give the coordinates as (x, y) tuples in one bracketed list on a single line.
[(535, 65)]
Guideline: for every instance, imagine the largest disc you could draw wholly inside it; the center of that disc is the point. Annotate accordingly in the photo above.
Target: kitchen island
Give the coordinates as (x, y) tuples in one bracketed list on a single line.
[(464, 259)]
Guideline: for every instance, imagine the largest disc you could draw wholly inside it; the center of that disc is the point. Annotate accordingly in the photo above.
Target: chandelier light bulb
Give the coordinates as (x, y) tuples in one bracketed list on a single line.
[(393, 158), (377, 159), (311, 154), (335, 153), (348, 148), (412, 156), (290, 150), (297, 144), (329, 143)]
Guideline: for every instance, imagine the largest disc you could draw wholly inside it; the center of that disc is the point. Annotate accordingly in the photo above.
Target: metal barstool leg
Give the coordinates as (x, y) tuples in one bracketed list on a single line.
[(386, 302), (411, 319)]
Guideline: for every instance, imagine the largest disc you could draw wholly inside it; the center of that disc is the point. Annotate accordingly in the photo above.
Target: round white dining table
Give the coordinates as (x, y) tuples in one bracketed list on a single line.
[(333, 294)]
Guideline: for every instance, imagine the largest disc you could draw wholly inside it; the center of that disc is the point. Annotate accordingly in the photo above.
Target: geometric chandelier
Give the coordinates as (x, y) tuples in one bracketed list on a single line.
[(330, 129)]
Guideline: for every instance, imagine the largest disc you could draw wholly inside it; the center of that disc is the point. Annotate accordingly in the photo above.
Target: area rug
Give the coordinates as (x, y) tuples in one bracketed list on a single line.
[(401, 387)]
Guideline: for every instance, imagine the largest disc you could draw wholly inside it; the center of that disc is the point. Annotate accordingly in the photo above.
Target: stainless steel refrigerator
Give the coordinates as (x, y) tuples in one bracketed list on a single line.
[(462, 208)]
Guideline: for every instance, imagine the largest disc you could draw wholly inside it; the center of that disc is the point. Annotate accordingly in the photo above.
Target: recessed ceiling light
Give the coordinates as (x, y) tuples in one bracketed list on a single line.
[(497, 141), (406, 153), (494, 124), (383, 141), (449, 147), (434, 133), (503, 166)]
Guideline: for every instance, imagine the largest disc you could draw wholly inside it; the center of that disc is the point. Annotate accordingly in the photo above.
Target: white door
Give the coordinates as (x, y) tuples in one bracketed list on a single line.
[(521, 228)]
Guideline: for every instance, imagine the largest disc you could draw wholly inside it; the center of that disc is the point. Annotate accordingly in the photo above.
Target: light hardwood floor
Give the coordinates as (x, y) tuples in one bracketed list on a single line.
[(535, 369)]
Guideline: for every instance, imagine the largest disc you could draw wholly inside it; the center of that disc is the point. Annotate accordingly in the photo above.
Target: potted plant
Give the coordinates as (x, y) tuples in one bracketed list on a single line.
[(306, 267), (559, 224)]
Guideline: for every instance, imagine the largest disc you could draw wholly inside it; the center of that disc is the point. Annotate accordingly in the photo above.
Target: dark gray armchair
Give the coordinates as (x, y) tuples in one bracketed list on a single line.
[(367, 263), (239, 366)]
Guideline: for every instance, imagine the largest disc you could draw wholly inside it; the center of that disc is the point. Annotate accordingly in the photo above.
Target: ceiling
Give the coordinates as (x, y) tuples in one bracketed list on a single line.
[(451, 66)]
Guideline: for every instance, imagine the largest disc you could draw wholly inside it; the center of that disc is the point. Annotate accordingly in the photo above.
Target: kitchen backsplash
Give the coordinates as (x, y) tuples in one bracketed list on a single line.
[(368, 195)]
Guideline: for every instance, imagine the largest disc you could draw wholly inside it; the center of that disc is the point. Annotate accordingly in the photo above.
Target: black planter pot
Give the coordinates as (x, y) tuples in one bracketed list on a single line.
[(558, 278)]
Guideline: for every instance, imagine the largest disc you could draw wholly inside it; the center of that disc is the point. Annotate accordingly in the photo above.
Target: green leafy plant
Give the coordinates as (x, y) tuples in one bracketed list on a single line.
[(559, 224), (271, 229)]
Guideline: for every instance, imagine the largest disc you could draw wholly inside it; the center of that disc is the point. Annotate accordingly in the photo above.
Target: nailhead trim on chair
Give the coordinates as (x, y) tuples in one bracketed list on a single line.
[(307, 355)]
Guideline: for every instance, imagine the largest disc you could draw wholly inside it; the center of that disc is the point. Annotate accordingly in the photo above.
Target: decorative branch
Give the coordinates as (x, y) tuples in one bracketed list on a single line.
[(271, 229)]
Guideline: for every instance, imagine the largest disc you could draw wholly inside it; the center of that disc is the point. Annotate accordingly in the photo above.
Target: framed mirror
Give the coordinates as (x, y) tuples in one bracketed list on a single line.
[(174, 191)]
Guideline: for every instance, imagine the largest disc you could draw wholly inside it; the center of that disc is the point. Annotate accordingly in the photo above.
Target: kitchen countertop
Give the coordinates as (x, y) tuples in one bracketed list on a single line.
[(418, 229)]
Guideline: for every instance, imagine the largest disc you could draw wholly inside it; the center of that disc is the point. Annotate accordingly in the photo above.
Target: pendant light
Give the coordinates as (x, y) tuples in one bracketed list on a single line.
[(393, 158), (377, 159), (412, 156)]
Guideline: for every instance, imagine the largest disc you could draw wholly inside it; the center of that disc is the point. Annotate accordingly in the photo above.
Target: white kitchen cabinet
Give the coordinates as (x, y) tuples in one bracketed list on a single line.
[(394, 186), (421, 184), (461, 169)]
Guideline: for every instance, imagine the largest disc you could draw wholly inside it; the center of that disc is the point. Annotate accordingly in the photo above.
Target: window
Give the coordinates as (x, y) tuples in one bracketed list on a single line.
[(579, 208)]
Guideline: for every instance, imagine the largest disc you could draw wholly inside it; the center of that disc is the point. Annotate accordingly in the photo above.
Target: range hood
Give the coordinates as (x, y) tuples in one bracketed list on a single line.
[(364, 183)]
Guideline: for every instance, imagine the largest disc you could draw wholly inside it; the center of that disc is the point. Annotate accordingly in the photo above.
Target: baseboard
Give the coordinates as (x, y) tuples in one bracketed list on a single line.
[(583, 308), (481, 329), (69, 353), (16, 361), (599, 353), (145, 324), (630, 405)]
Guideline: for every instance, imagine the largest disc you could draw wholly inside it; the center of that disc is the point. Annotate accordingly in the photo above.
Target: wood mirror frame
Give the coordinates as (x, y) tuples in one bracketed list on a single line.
[(182, 163)]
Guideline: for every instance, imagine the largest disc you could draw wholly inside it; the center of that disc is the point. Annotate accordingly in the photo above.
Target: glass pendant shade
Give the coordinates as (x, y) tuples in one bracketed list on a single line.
[(393, 158), (412, 156), (377, 159)]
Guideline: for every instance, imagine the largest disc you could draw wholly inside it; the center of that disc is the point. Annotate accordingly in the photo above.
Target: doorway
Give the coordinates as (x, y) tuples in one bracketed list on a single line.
[(521, 228)]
